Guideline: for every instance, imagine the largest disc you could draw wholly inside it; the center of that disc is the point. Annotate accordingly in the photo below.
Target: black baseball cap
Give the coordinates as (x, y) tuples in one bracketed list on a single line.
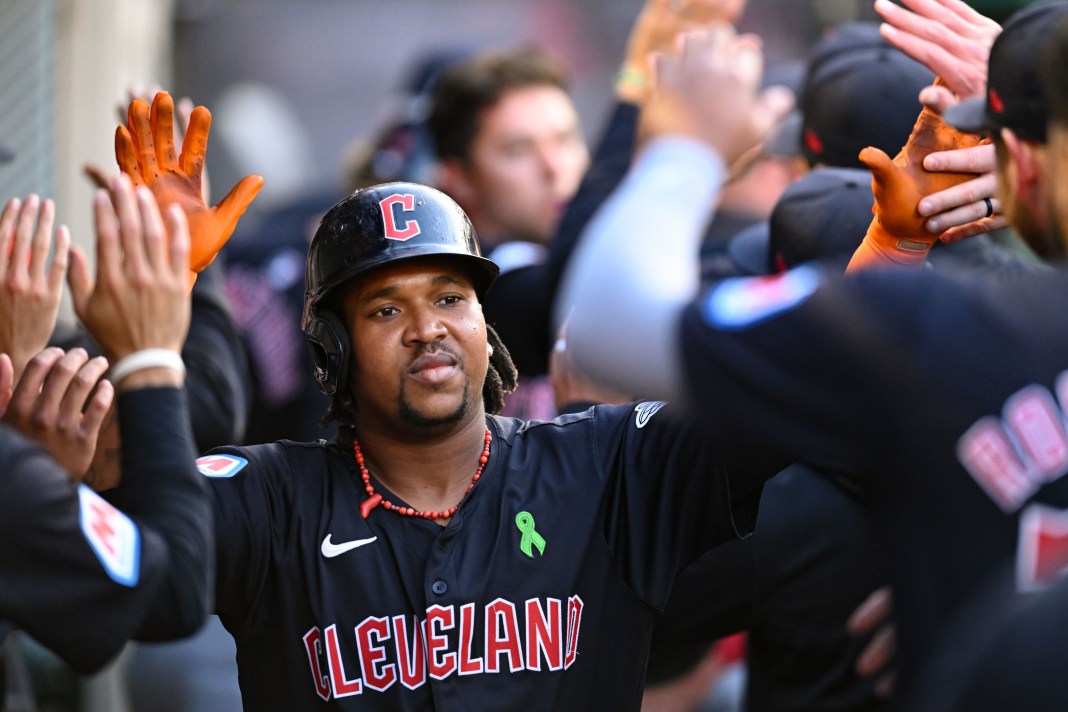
[(859, 91), (822, 216), (1054, 57), (1014, 96)]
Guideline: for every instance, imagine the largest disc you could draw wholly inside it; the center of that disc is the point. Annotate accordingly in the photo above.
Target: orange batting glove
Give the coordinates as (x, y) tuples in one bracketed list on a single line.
[(144, 149), (897, 235)]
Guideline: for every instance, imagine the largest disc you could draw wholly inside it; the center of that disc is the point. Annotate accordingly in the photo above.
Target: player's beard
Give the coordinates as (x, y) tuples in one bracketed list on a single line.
[(410, 415)]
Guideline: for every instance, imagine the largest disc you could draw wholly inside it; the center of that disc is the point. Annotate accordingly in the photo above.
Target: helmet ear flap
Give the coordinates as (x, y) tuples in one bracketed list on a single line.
[(328, 344)]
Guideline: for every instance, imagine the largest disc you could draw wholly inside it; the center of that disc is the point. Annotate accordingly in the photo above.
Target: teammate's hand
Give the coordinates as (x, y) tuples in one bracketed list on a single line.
[(145, 151), (873, 617), (139, 299), (61, 402), (946, 36), (969, 208), (657, 28), (29, 288), (7, 382), (898, 233), (710, 90), (101, 178)]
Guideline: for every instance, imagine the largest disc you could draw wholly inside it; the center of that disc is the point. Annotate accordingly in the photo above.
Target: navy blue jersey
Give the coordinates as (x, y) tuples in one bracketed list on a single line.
[(943, 399), (1010, 656), (83, 577), (540, 593), (792, 585)]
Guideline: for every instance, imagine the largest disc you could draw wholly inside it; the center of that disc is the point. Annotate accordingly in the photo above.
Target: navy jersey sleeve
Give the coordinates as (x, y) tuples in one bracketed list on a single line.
[(812, 363), (252, 500), (218, 382), (672, 494), (82, 576)]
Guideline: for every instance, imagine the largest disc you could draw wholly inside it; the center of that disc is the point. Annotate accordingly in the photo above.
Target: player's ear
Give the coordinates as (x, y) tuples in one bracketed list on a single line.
[(1023, 169)]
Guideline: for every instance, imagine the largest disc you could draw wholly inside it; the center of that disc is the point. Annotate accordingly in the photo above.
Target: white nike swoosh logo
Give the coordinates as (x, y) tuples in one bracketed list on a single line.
[(330, 549)]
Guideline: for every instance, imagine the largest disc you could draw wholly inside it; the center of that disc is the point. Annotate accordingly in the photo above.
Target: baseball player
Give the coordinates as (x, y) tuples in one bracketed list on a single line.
[(82, 575), (943, 397), (435, 555)]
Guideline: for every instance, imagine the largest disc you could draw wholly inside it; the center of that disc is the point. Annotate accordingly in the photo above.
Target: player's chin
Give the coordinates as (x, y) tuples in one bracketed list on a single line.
[(441, 408)]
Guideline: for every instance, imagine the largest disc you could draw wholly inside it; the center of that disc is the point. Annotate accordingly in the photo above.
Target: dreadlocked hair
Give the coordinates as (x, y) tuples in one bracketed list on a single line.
[(502, 377)]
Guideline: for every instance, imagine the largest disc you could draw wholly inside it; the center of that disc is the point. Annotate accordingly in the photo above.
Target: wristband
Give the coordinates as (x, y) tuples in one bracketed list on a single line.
[(630, 77), (146, 358), (881, 248)]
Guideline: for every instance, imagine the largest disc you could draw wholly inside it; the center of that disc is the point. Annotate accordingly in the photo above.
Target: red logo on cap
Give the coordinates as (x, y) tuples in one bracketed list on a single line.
[(996, 104), (813, 141)]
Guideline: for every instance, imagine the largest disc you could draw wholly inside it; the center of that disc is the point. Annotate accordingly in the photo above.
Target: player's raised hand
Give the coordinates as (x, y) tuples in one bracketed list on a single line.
[(657, 28), (710, 90), (898, 234), (946, 36), (139, 299), (101, 177), (30, 287), (145, 151), (968, 208), (900, 184), (61, 402)]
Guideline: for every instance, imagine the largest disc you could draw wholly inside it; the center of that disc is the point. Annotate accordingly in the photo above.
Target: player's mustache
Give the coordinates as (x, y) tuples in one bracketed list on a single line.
[(433, 348)]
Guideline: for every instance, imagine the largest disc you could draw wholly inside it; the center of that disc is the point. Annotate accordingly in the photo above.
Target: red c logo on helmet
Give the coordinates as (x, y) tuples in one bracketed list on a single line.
[(410, 228)]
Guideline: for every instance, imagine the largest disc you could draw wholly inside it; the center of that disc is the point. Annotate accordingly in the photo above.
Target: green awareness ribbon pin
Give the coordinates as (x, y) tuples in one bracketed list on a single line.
[(525, 522)]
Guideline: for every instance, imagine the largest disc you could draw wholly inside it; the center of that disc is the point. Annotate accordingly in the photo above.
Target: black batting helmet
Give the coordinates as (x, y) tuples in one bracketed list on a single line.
[(372, 227)]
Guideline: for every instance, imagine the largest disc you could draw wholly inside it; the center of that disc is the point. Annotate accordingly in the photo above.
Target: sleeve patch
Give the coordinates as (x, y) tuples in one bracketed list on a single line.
[(643, 412), (220, 465), (113, 537), (739, 303)]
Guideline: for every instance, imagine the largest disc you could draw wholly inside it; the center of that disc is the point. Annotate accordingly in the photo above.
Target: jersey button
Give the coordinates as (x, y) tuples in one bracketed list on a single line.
[(439, 587)]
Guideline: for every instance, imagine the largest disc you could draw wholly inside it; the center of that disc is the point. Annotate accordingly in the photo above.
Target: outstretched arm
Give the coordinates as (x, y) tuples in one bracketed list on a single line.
[(520, 303), (637, 265), (144, 569)]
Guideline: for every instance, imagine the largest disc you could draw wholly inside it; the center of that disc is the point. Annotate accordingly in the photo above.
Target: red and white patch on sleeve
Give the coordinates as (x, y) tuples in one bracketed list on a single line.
[(742, 302), (220, 465), (112, 536), (1042, 549)]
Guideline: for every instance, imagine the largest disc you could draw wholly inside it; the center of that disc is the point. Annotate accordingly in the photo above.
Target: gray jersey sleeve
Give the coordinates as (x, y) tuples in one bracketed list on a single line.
[(636, 269)]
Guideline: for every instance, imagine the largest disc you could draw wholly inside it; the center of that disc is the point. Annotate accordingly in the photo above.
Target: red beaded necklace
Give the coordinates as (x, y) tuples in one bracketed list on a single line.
[(374, 498)]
